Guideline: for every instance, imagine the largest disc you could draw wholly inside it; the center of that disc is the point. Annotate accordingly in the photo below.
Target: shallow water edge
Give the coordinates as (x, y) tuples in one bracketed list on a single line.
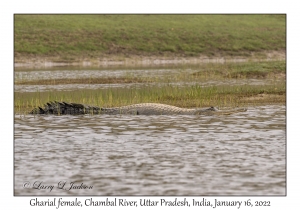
[(143, 61)]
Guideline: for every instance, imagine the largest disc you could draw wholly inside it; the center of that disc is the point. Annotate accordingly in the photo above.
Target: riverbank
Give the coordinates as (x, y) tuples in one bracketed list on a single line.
[(40, 61), (110, 40)]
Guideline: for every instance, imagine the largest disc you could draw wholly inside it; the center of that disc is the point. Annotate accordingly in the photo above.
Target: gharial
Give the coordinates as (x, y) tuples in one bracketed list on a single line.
[(63, 108)]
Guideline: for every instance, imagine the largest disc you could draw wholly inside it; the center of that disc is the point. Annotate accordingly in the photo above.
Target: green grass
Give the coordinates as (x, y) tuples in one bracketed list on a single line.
[(188, 96), (249, 70), (71, 36)]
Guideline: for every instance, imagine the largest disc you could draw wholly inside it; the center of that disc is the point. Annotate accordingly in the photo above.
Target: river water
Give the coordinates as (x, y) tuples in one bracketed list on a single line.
[(239, 154), (172, 74)]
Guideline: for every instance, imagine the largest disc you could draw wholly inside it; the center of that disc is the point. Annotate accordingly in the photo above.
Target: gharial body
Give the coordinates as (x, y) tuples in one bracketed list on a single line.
[(63, 108)]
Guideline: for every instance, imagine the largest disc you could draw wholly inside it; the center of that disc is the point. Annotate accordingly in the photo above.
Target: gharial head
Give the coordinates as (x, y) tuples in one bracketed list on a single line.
[(212, 108), (207, 111)]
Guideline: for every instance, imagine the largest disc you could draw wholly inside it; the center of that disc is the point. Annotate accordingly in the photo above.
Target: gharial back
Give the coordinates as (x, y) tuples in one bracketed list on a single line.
[(148, 109), (63, 108)]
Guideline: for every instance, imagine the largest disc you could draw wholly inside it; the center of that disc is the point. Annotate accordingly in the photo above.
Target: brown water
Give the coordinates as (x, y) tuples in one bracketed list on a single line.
[(239, 154)]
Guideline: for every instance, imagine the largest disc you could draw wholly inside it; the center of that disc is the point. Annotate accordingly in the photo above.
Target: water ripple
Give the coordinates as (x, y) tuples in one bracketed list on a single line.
[(241, 154)]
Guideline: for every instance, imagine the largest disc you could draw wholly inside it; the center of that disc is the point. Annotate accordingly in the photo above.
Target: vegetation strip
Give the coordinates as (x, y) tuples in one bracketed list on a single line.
[(191, 96), (214, 71)]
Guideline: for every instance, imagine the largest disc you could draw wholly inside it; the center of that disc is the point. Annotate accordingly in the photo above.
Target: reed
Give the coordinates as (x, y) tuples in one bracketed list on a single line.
[(185, 96)]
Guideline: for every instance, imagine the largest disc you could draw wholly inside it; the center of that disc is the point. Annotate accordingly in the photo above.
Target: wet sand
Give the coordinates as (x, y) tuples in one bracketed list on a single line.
[(140, 60)]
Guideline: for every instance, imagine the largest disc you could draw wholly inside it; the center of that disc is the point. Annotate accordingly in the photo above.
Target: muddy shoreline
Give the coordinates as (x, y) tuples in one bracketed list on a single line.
[(30, 61)]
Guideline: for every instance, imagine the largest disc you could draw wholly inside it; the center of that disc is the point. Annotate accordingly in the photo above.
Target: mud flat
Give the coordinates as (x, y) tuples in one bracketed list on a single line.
[(31, 61)]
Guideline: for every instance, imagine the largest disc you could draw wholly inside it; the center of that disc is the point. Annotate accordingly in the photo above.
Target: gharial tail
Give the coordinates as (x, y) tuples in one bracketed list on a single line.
[(63, 108)]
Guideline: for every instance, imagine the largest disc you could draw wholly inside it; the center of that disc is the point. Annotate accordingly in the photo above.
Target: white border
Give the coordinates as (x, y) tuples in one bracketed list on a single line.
[(8, 8)]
